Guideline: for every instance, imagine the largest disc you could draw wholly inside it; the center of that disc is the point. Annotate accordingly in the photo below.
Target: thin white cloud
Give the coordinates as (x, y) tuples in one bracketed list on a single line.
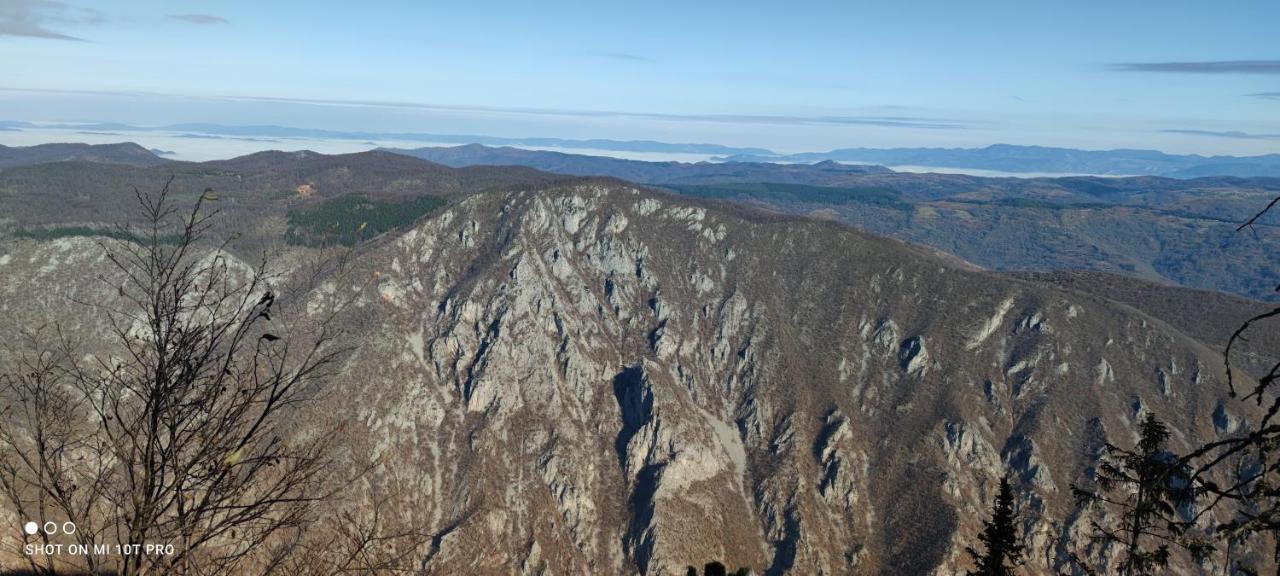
[(1235, 134), (622, 56), (202, 19), (1216, 67)]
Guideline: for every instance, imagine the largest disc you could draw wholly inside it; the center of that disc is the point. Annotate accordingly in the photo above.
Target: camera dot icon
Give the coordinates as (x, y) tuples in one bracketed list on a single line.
[(31, 528)]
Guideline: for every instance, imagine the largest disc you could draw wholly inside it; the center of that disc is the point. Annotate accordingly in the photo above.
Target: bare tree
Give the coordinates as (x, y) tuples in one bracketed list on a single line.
[(51, 464), (356, 540), (176, 434)]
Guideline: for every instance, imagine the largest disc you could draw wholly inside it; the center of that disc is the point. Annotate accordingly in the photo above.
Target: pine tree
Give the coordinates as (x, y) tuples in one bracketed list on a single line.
[(999, 537), (1145, 486)]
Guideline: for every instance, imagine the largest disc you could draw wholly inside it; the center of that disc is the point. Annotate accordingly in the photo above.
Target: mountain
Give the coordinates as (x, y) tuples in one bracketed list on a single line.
[(588, 377), (1161, 229), (1011, 158), (592, 143), (126, 153), (267, 132), (256, 192), (996, 157), (825, 173)]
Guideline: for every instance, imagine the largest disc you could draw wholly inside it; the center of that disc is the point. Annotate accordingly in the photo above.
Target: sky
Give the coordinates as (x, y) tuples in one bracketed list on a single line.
[(1179, 76)]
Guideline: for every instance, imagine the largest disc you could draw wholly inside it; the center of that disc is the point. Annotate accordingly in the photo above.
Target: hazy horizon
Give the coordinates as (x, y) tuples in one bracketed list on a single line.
[(196, 146), (877, 76)]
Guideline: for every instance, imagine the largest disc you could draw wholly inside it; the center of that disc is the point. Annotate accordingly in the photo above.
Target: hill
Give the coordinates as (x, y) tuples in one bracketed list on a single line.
[(257, 192), (126, 153)]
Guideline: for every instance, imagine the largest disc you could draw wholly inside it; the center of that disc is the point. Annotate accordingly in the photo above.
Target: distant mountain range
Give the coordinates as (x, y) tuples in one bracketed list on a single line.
[(123, 153), (662, 173), (1010, 158), (997, 157), (261, 132)]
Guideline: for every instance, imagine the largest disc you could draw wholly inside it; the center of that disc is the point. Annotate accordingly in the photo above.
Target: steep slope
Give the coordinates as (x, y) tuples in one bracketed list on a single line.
[(126, 153), (597, 379), (1211, 317)]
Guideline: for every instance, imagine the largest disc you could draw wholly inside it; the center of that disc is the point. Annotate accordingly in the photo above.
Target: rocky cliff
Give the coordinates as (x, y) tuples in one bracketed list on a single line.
[(600, 379)]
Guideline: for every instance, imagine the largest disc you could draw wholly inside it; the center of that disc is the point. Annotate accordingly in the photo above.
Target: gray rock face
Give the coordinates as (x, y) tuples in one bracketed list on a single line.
[(597, 379), (912, 356)]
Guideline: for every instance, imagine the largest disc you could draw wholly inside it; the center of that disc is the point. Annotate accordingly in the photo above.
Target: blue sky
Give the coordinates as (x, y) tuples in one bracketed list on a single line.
[(1178, 76)]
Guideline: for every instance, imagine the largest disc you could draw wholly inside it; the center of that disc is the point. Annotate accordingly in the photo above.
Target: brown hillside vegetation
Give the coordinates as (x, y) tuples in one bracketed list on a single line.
[(1210, 317)]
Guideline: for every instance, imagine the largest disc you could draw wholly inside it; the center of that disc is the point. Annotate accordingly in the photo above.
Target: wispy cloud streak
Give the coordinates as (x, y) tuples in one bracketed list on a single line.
[(31, 18), (203, 19), (622, 56), (1216, 67), (1234, 134)]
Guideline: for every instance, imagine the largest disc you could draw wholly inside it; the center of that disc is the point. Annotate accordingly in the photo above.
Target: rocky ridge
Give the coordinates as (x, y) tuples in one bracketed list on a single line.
[(595, 378)]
